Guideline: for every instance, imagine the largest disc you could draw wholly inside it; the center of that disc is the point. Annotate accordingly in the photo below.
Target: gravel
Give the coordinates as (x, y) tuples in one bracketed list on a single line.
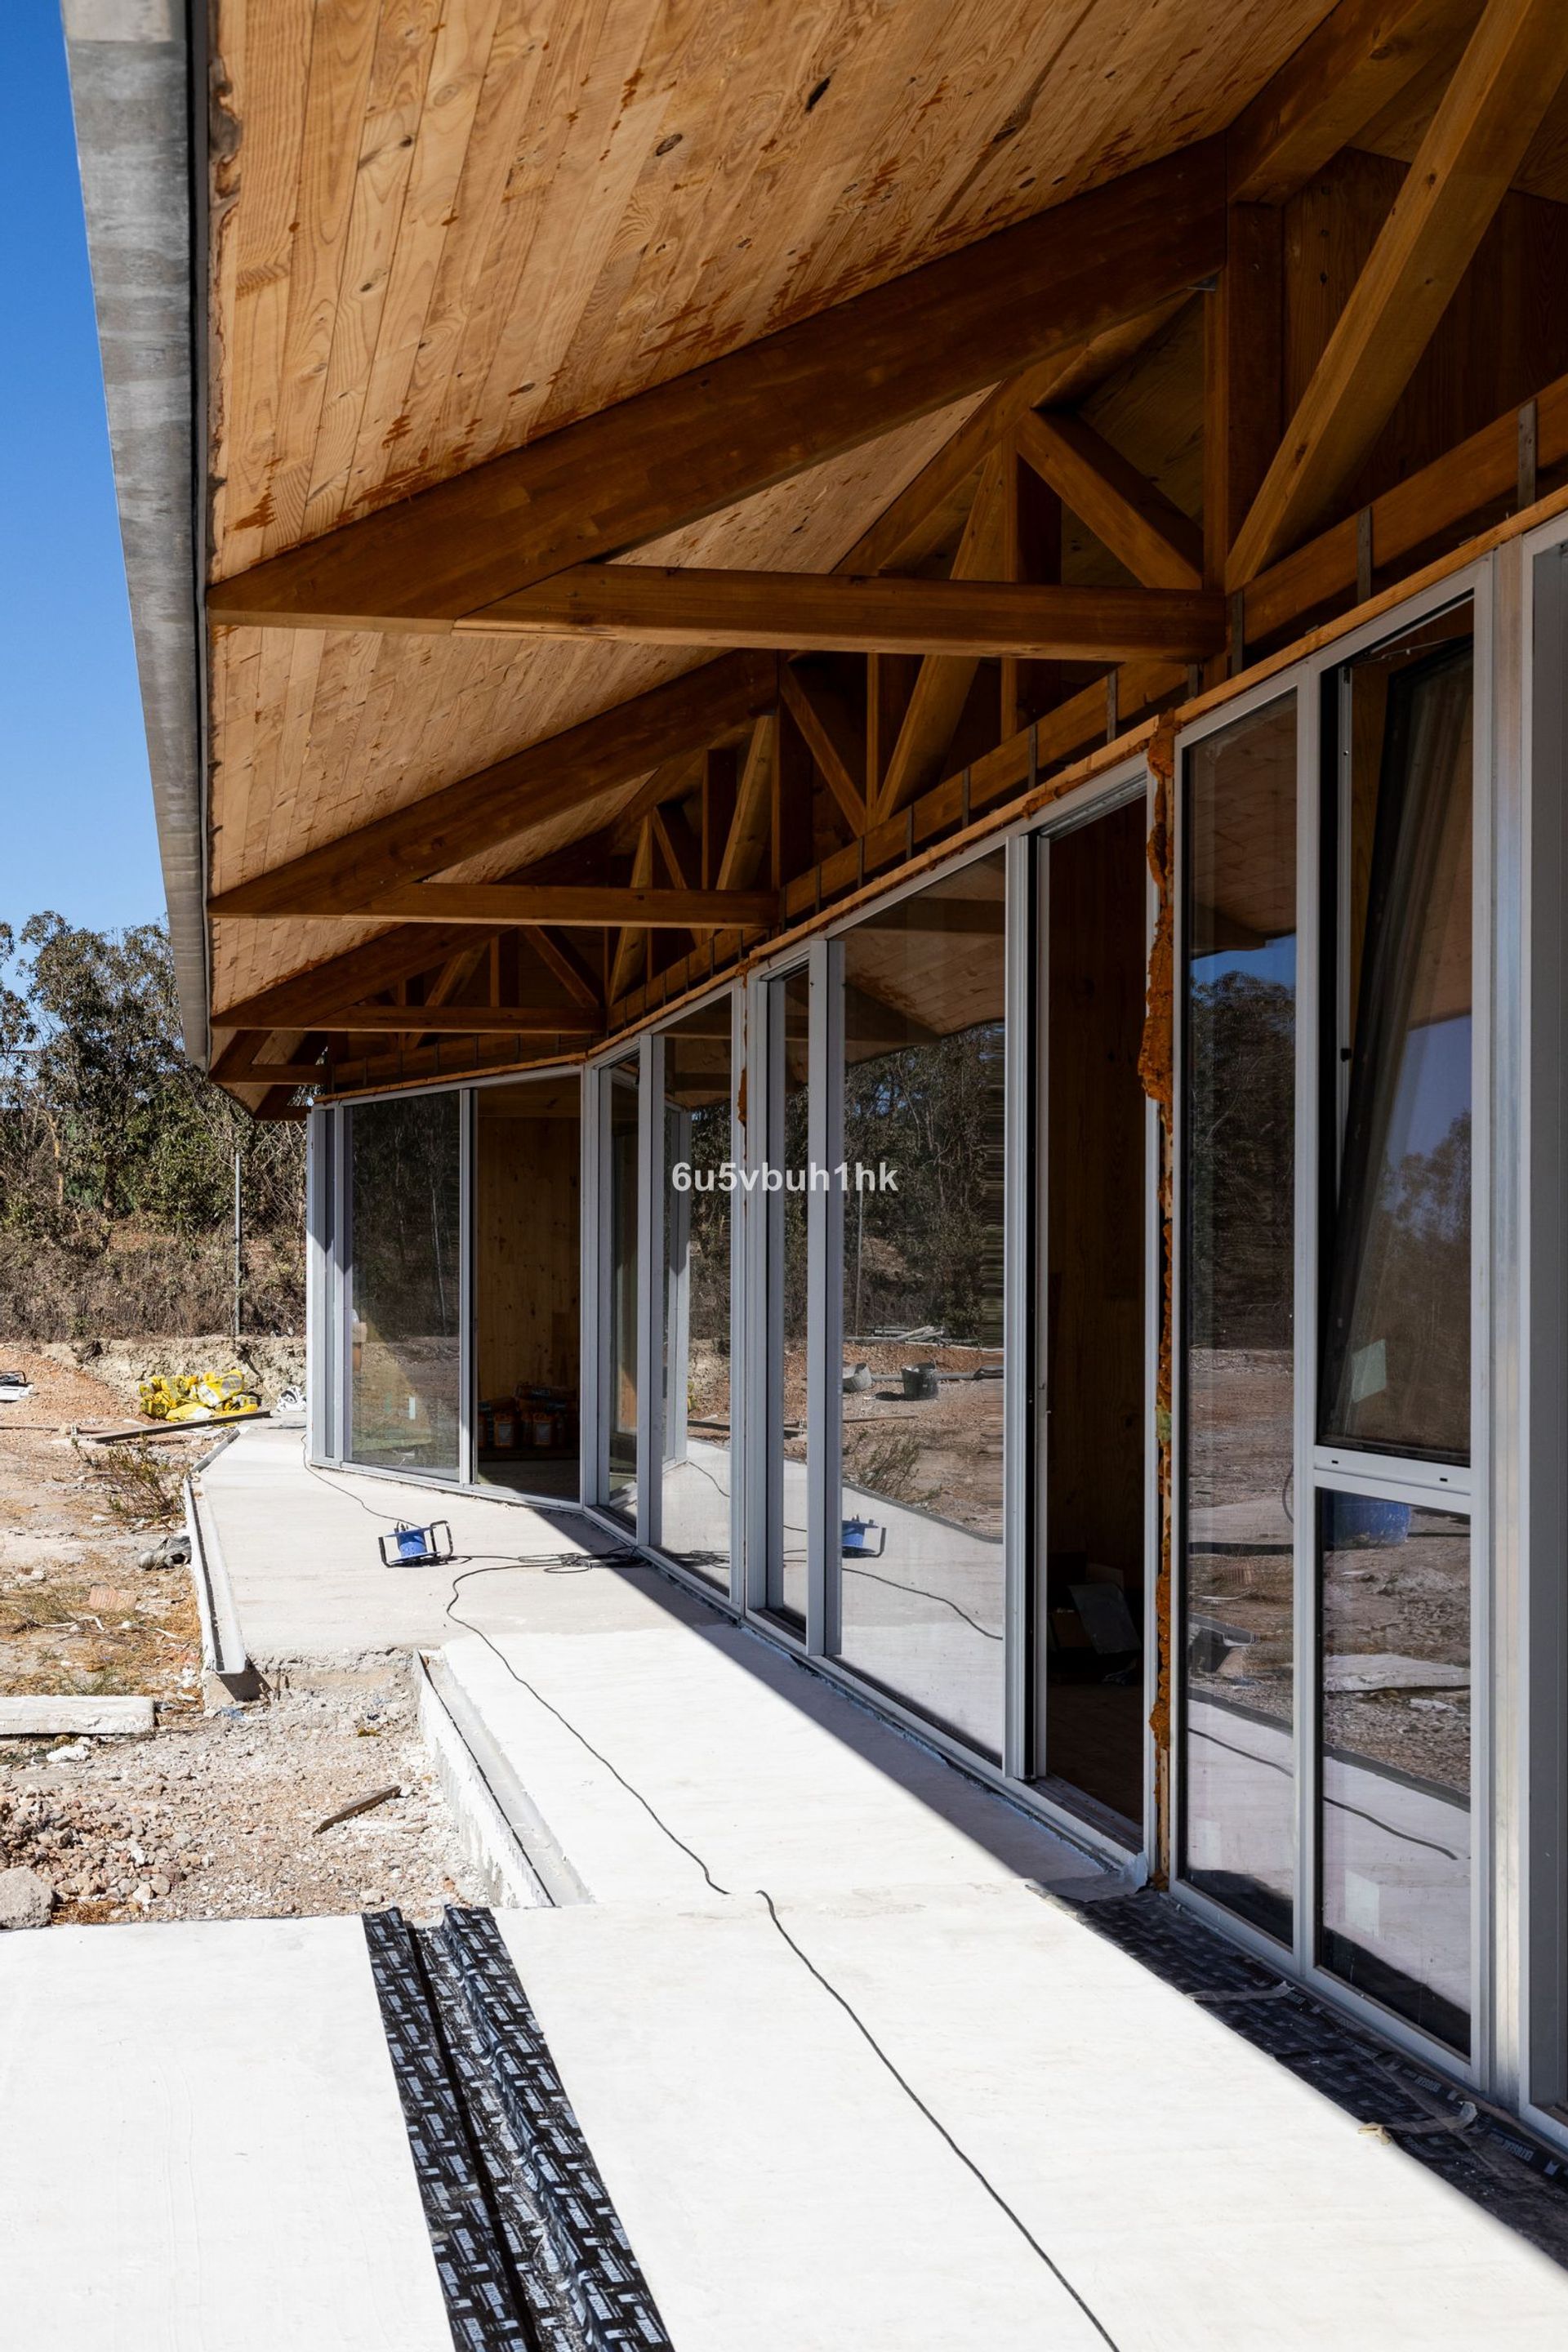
[(217, 1817)]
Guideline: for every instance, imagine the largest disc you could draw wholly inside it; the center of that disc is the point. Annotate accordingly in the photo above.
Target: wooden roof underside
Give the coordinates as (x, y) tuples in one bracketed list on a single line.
[(442, 234)]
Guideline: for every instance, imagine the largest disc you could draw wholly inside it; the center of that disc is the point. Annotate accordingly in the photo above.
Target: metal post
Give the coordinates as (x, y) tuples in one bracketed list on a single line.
[(239, 1234)]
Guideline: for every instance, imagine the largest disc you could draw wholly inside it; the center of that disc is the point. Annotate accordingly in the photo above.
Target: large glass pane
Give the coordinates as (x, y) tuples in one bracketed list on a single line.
[(621, 1304), (406, 1280), (1396, 1834), (1092, 1590), (527, 1263), (787, 1004), (924, 1095), (1398, 1334), (1238, 1123), (695, 1525)]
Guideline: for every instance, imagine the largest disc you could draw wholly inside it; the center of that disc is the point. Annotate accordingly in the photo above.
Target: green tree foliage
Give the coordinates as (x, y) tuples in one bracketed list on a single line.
[(104, 1124)]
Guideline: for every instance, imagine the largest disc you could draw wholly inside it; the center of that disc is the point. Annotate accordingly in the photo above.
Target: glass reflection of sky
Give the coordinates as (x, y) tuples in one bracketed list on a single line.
[(1434, 1087), (1276, 960)]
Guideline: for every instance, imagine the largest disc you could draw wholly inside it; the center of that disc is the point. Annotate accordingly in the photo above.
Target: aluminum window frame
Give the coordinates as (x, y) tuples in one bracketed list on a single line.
[(732, 992), (1317, 1467), (1531, 1307)]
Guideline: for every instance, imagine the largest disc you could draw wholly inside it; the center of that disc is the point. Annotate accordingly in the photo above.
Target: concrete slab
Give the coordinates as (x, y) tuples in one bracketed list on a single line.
[(42, 1717), (202, 2145), (785, 2194), (299, 1550), (775, 1777)]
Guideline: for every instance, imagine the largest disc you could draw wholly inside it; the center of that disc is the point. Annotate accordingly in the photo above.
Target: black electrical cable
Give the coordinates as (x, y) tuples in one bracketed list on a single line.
[(567, 1725), (939, 2126), (809, 1965), (492, 1565)]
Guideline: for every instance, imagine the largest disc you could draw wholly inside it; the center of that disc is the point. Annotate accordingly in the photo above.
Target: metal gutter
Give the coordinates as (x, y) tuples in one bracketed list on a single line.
[(139, 139)]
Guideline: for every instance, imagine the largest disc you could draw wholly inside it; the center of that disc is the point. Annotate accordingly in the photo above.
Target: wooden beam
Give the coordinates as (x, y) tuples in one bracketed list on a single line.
[(1031, 549), (569, 907), (557, 957), (671, 780), (748, 836), (652, 464), (283, 1074), (834, 735), (630, 951), (1428, 506), (942, 687), (967, 616), (720, 779), (298, 1001), (462, 1021), (1492, 110), (898, 536), (557, 780), (1139, 525), (1353, 65), (678, 847), (1244, 378)]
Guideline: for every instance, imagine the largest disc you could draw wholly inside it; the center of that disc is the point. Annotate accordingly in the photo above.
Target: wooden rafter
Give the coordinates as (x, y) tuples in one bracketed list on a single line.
[(551, 782), (499, 905), (1501, 89), (631, 951), (942, 686), (650, 465), (1354, 64), (968, 617), (558, 959), (457, 1021), (747, 840), (1142, 528), (337, 981), (836, 735)]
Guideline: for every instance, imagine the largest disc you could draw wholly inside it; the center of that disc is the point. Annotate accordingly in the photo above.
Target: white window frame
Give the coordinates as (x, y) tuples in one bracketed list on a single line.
[(1320, 1468)]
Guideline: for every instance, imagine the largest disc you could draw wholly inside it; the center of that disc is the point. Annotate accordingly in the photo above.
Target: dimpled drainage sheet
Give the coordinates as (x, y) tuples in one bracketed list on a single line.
[(527, 2244), (1479, 2152)]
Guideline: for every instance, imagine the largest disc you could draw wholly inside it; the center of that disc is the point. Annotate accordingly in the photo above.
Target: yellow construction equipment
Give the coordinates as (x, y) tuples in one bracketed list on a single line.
[(199, 1396)]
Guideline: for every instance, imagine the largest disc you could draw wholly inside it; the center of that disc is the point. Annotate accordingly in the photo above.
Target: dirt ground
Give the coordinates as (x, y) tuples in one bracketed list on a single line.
[(211, 1816)]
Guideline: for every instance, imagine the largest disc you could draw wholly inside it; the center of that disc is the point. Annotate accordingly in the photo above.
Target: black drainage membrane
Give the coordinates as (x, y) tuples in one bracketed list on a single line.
[(1481, 2153), (529, 2251)]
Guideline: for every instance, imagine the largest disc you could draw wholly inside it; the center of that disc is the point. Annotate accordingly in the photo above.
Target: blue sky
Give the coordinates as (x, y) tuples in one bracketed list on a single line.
[(79, 833)]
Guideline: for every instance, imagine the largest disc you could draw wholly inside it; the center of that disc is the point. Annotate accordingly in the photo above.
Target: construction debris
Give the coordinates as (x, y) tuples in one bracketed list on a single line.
[(360, 1805), (51, 1718)]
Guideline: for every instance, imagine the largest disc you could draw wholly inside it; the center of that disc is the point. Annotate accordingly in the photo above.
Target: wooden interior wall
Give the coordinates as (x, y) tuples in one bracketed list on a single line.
[(1502, 338), (1095, 1177), (527, 1252)]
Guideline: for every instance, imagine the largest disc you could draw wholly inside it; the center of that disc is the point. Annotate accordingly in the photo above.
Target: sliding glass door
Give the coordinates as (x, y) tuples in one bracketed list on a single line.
[(1325, 1374), (1239, 1014), (1393, 1404), (407, 1284), (921, 1554), (696, 1229), (619, 1207)]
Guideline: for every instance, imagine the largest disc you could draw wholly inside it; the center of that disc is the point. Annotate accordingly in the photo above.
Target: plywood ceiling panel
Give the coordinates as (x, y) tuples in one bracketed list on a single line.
[(317, 732), (440, 234)]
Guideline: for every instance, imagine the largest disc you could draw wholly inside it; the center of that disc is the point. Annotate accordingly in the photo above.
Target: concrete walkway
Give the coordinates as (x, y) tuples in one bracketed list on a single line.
[(200, 2145), (1040, 2144)]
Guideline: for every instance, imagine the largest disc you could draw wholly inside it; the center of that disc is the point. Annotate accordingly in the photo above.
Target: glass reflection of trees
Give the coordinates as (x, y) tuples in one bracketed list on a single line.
[(1239, 1284), (699, 1140), (405, 1281), (923, 1099)]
